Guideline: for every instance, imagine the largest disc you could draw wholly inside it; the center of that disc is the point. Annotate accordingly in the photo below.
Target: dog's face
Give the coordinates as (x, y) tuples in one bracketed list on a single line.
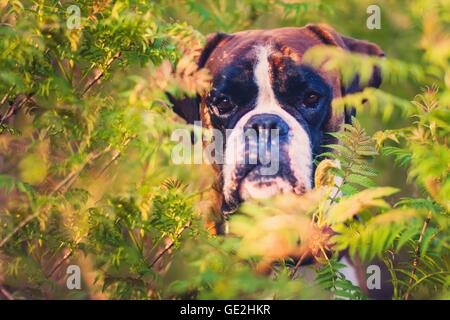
[(262, 90), (273, 110)]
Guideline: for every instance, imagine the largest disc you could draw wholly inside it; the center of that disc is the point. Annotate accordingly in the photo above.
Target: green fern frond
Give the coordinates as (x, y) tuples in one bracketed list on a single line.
[(330, 278), (173, 184), (353, 153)]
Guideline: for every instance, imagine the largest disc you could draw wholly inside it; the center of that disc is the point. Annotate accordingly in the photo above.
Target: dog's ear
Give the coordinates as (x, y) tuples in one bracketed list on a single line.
[(330, 37), (367, 48), (362, 47), (189, 107)]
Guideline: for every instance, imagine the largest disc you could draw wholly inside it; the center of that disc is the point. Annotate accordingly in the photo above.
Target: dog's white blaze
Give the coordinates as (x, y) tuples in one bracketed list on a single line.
[(299, 145)]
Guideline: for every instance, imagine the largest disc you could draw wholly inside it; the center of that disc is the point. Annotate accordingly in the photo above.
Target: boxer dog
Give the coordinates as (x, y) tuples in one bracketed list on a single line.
[(260, 83)]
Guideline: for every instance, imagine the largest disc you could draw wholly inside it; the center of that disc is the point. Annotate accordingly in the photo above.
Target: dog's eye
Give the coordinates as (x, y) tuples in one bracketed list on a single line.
[(311, 99), (223, 105)]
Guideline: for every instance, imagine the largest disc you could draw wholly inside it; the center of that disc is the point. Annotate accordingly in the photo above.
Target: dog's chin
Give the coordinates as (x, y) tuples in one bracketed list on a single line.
[(262, 188), (255, 185)]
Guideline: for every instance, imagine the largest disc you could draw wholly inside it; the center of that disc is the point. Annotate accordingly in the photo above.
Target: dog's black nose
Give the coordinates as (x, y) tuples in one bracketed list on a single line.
[(267, 122), (264, 135)]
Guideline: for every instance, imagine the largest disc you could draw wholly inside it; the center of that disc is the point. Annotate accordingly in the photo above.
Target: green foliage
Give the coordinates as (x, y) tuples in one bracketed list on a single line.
[(213, 271), (387, 232), (332, 279), (352, 155)]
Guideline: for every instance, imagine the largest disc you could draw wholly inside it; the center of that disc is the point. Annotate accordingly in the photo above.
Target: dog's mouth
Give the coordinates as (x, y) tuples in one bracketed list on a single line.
[(258, 186)]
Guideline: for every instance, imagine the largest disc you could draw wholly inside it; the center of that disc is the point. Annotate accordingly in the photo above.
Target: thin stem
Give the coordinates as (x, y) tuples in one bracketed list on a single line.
[(298, 264), (22, 224), (423, 279), (338, 188), (101, 74), (331, 268), (116, 155), (6, 293), (390, 266), (63, 70), (63, 259), (416, 255), (170, 245), (14, 107), (6, 96)]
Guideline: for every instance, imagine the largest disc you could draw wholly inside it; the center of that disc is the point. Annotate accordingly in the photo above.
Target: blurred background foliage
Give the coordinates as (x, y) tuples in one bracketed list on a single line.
[(86, 176)]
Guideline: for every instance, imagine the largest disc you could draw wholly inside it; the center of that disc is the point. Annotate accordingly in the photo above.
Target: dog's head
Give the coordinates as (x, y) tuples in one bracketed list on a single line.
[(273, 110)]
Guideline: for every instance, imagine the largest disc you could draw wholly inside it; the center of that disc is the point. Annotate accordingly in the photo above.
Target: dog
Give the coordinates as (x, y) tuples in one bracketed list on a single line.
[(260, 83)]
